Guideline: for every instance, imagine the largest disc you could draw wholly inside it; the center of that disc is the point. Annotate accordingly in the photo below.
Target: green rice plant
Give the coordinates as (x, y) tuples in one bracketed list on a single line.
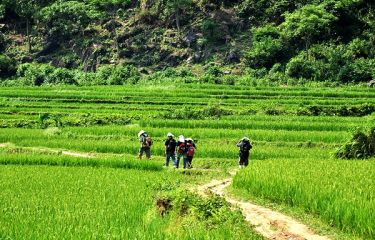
[(68, 161), (340, 192), (42, 202)]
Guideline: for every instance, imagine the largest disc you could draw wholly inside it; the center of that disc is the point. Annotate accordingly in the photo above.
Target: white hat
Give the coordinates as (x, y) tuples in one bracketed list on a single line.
[(189, 139), (170, 135), (181, 138), (245, 139), (141, 132)]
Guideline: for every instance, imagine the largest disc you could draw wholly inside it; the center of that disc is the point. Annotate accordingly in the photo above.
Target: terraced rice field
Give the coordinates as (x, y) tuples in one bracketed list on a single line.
[(111, 194)]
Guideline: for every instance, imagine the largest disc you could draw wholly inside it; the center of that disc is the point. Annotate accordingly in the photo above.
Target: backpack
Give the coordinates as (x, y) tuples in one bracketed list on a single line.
[(246, 146), (181, 148), (191, 151), (147, 141)]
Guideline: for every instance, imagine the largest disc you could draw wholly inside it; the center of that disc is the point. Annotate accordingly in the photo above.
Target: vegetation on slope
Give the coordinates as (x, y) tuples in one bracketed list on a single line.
[(120, 41)]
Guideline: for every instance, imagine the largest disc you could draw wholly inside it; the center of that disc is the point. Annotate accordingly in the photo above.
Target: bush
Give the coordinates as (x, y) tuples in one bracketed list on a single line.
[(332, 62), (103, 74), (33, 74), (267, 48), (3, 42), (212, 74), (360, 147), (60, 76), (124, 74), (300, 67), (7, 66), (359, 70)]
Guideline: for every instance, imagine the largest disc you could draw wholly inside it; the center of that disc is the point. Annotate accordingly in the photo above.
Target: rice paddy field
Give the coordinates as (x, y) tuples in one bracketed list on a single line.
[(68, 158)]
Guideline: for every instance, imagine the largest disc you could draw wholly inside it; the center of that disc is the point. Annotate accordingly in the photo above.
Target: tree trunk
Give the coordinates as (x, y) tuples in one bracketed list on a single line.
[(178, 19), (28, 35)]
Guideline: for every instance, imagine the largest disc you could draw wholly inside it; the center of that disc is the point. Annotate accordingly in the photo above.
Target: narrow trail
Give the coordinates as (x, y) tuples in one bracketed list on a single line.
[(268, 223), (50, 150)]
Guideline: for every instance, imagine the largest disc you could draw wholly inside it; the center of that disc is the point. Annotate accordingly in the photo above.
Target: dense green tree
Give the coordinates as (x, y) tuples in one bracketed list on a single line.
[(308, 23), (267, 47), (62, 20)]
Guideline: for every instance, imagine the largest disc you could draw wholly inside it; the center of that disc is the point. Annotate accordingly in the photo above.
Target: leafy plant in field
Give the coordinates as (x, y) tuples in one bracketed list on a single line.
[(360, 147), (194, 210), (7, 66)]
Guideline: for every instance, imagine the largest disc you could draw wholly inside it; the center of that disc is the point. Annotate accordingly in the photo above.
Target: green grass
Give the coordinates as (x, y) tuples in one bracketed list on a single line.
[(340, 192), (42, 202), (296, 168)]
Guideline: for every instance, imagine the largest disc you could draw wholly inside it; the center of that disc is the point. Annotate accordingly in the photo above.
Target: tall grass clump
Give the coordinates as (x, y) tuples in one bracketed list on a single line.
[(361, 146)]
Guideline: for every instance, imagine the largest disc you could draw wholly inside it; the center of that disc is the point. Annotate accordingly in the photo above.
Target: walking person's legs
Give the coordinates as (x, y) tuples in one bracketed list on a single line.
[(178, 159), (246, 159), (148, 153), (185, 162), (141, 150), (173, 156), (190, 162), (167, 157)]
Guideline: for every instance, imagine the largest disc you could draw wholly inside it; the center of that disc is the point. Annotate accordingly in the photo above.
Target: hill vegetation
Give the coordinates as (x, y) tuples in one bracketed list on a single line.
[(112, 42)]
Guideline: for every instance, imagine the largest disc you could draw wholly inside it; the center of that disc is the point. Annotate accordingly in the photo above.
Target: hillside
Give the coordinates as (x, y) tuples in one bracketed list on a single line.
[(232, 42)]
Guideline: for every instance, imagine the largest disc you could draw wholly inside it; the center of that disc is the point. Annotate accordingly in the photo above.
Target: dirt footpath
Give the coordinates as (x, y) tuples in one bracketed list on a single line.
[(269, 223)]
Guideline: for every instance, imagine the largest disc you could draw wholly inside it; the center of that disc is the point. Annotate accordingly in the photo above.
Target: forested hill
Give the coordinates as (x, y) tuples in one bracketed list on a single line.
[(119, 41)]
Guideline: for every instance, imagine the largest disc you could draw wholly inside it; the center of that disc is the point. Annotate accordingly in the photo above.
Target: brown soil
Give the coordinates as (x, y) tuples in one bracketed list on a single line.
[(268, 223)]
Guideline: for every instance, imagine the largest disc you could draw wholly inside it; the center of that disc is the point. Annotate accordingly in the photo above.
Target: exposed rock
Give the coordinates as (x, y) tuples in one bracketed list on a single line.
[(112, 25), (371, 83), (191, 38), (233, 57), (49, 47), (91, 57)]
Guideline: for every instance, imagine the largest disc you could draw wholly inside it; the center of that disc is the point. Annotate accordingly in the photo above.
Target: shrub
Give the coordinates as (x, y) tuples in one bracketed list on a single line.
[(360, 147), (33, 74), (103, 74), (60, 76), (267, 48), (360, 70), (331, 62), (7, 66), (212, 74), (124, 74), (299, 67)]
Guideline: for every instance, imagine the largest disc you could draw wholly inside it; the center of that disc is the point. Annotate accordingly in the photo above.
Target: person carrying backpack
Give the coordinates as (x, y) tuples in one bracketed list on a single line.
[(146, 143), (245, 147), (170, 148), (180, 149), (190, 151)]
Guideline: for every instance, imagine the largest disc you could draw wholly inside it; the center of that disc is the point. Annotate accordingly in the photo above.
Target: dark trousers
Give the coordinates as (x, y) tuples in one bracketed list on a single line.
[(188, 161), (244, 158)]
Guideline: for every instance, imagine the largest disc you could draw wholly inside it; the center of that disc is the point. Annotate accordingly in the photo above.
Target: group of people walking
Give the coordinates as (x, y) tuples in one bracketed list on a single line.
[(185, 148)]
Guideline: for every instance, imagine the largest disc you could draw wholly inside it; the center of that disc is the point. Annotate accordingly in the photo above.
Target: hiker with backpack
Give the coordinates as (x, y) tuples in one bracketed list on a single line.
[(245, 147), (146, 143), (170, 148), (190, 151), (180, 149)]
